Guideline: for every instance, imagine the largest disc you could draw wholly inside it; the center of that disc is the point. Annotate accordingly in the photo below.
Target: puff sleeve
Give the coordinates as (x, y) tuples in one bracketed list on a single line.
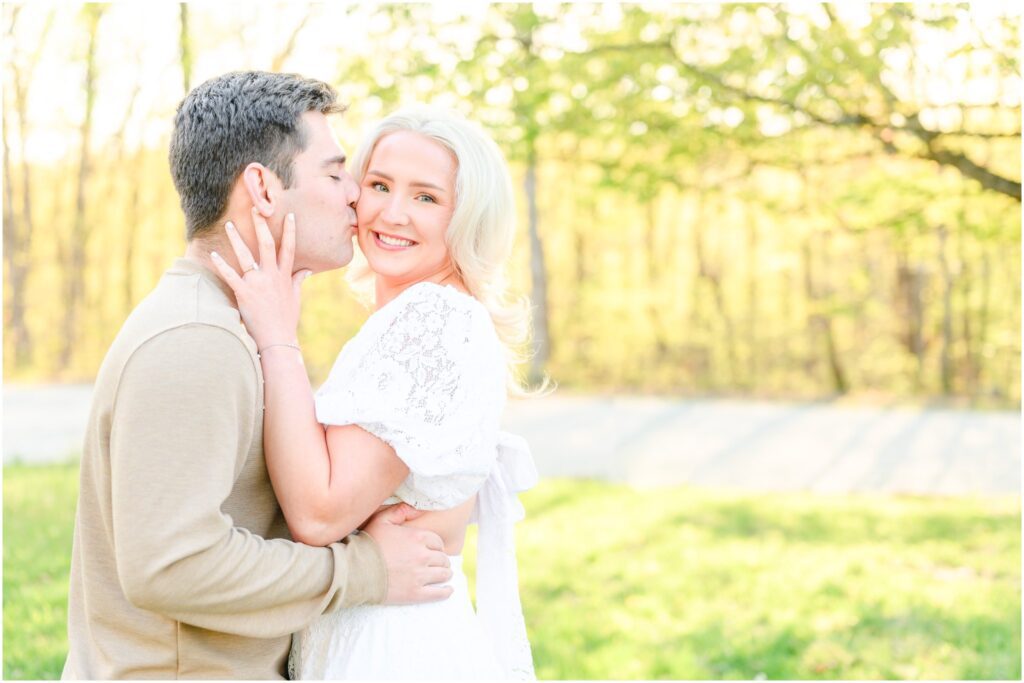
[(426, 375)]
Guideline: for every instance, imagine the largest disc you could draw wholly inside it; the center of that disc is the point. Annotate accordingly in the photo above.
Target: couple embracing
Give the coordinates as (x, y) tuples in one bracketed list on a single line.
[(232, 524)]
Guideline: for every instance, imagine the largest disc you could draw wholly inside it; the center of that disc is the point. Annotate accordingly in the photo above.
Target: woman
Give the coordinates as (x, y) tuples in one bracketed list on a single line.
[(413, 404)]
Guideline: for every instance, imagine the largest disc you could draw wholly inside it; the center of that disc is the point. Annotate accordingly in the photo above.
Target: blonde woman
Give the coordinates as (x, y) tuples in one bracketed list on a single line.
[(410, 412)]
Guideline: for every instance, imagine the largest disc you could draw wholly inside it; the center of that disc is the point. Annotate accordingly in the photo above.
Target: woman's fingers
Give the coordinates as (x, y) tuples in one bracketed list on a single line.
[(265, 240), (242, 253), (226, 272), (286, 259)]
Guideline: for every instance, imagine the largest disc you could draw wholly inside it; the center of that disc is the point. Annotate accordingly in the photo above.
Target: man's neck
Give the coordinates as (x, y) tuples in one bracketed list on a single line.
[(198, 252)]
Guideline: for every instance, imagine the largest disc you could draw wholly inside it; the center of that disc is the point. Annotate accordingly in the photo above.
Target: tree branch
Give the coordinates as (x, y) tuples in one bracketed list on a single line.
[(972, 170), (968, 168)]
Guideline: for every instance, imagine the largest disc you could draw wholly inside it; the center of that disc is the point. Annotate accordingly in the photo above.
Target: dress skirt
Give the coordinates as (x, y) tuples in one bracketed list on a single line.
[(432, 641)]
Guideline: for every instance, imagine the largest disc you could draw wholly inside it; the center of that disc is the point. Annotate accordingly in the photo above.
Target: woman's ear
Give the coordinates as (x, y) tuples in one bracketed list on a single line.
[(262, 185)]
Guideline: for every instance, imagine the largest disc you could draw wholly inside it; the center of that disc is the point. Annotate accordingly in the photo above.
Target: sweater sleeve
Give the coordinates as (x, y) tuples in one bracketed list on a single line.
[(182, 426)]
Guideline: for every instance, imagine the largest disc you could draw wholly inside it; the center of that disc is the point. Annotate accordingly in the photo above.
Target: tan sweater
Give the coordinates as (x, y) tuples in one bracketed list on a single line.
[(181, 567)]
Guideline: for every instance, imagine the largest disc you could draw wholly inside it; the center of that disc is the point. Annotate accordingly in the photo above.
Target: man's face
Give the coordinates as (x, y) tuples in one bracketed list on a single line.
[(321, 197)]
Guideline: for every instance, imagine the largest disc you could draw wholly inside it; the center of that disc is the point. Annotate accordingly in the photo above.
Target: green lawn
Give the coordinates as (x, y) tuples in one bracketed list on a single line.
[(673, 583)]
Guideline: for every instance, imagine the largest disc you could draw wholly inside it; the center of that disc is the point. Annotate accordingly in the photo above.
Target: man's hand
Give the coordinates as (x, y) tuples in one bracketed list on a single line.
[(415, 558)]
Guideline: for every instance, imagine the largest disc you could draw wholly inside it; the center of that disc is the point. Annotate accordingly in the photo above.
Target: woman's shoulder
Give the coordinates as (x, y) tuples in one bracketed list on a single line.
[(447, 294), (441, 304), (427, 309)]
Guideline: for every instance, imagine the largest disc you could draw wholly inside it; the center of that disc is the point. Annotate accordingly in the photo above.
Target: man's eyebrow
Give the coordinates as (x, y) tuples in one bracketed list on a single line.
[(415, 183), (340, 159)]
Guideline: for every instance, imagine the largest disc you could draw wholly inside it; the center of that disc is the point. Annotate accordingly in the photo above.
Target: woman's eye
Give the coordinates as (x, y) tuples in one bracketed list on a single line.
[(426, 198), (379, 186), (336, 178)]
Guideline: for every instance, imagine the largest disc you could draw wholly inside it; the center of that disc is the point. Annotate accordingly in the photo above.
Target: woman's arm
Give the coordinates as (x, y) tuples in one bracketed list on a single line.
[(450, 525), (327, 484)]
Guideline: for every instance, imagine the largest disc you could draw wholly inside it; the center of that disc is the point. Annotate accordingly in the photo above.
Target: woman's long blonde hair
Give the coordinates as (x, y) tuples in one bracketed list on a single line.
[(482, 228)]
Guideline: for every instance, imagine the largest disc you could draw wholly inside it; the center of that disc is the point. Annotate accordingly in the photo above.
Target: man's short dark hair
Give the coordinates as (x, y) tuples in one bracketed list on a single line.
[(231, 121)]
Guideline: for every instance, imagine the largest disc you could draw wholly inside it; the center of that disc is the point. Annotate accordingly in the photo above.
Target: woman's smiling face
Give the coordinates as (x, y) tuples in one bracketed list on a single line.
[(406, 201)]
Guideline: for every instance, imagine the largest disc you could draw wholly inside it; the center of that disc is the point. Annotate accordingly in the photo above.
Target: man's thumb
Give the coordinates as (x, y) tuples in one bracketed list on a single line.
[(402, 513), (297, 280)]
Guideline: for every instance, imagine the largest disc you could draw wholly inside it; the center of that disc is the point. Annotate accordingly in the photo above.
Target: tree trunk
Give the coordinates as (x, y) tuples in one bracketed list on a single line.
[(581, 276), (282, 56), (17, 244), (910, 282), (654, 283), (19, 228), (946, 367), (819, 323), (711, 273), (123, 168), (132, 228), (81, 227), (185, 46), (983, 314), (538, 278), (752, 300), (700, 359)]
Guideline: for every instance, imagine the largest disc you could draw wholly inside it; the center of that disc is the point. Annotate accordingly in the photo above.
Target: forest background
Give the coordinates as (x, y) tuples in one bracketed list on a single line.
[(797, 202), (783, 201)]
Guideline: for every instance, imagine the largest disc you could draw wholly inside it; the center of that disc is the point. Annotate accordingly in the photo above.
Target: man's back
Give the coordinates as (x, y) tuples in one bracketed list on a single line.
[(171, 575)]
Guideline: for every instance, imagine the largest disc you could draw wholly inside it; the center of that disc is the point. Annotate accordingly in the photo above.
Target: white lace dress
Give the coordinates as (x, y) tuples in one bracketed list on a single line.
[(426, 373)]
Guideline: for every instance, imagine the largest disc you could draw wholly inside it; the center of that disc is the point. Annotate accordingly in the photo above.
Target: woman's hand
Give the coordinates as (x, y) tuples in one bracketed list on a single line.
[(267, 292)]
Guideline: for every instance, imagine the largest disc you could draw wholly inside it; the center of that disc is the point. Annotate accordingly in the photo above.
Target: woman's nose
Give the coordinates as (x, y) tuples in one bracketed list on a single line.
[(394, 211)]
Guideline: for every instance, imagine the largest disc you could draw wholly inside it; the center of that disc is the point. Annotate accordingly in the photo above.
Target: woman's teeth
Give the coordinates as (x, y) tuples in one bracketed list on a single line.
[(394, 241)]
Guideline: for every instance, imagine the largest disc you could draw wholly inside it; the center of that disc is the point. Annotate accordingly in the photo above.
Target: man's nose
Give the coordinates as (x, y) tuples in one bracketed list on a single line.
[(353, 191)]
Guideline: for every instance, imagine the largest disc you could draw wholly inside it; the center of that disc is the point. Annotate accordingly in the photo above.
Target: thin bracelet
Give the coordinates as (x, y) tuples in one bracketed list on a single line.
[(270, 346)]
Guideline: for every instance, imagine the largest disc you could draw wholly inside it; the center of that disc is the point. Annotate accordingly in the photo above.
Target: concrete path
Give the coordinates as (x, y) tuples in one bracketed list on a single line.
[(650, 442)]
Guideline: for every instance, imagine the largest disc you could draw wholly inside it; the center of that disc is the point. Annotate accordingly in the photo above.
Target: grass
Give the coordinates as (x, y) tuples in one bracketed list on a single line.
[(673, 583), (39, 520)]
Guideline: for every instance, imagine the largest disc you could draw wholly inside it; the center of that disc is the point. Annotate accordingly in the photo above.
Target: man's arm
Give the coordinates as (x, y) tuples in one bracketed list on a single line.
[(184, 419)]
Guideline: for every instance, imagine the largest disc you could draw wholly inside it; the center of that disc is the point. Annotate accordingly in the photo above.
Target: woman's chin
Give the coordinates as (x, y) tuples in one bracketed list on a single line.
[(385, 267), (390, 276)]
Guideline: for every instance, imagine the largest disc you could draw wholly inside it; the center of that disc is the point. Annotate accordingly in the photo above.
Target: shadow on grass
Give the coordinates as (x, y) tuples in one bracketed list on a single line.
[(828, 522)]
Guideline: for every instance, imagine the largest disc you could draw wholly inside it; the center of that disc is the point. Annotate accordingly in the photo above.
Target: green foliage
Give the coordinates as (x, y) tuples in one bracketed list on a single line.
[(737, 199), (673, 583), (39, 520)]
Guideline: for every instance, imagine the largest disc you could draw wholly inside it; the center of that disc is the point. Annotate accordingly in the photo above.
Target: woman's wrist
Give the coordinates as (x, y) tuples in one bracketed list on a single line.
[(278, 359), (281, 353), (280, 345)]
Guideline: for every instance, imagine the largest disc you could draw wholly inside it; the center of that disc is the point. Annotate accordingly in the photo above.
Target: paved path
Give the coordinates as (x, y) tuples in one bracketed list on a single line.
[(660, 442)]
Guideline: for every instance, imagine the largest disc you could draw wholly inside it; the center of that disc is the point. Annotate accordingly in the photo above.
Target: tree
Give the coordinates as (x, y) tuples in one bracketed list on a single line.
[(18, 226), (817, 69), (74, 250)]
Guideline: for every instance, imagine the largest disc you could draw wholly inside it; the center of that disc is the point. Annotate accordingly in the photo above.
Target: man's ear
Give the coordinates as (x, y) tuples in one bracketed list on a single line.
[(263, 187)]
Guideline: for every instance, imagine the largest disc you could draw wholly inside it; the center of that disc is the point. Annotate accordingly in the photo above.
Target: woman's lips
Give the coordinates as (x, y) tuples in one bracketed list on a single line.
[(391, 242)]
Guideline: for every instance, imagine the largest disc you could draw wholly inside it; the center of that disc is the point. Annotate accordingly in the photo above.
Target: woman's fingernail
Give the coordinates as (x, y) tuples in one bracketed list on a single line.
[(229, 225), (307, 274), (215, 256), (291, 217)]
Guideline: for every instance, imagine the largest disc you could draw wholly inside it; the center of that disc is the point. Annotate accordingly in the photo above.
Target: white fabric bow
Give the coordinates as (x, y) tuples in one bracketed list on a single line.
[(497, 586)]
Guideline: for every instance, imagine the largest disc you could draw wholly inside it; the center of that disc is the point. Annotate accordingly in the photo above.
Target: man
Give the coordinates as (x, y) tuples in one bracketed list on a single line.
[(181, 565)]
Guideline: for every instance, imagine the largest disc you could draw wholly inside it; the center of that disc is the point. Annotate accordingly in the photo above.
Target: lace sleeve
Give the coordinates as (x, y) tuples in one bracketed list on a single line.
[(426, 376)]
